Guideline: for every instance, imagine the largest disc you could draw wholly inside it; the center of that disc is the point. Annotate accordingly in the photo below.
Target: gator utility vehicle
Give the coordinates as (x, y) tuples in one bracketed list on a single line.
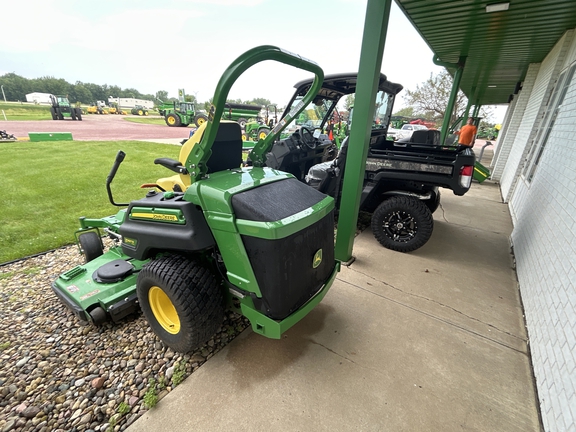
[(402, 179), (255, 239), (61, 108)]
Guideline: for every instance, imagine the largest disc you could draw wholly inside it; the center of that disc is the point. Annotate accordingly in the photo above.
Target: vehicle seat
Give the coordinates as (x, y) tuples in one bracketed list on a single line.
[(325, 176), (430, 137), (226, 154)]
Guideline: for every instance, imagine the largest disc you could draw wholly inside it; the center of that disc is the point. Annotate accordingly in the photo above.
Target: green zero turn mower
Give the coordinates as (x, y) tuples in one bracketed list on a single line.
[(254, 239)]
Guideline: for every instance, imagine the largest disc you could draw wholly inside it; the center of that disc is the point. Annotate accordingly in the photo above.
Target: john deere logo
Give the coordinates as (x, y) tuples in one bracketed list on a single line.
[(317, 258)]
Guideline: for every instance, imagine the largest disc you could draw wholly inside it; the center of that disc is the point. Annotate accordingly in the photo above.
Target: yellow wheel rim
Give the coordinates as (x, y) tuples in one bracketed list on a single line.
[(171, 120), (200, 121), (244, 137), (163, 310), (140, 112), (262, 135)]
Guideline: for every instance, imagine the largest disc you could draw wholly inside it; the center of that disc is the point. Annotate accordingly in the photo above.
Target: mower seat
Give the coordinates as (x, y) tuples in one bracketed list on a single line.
[(226, 154)]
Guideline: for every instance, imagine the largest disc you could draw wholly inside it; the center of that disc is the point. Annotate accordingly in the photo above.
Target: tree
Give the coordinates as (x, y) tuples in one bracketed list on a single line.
[(430, 99), (405, 112), (349, 102), (162, 95)]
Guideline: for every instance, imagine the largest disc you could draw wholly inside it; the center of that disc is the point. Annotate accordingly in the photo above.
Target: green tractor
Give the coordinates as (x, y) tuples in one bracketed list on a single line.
[(139, 110), (253, 239), (258, 128), (181, 114), (61, 108)]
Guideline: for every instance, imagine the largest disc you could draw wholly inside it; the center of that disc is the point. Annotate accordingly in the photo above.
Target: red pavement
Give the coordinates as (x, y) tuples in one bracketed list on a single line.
[(96, 128)]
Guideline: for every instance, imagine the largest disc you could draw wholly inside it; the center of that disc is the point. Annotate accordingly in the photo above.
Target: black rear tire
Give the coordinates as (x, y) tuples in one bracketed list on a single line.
[(59, 114), (78, 113), (173, 120), (91, 245), (402, 223), (200, 119), (181, 300), (73, 113), (53, 113), (242, 122)]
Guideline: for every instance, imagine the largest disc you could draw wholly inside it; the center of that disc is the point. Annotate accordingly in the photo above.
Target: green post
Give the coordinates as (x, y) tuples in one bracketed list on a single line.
[(452, 99), (373, 40)]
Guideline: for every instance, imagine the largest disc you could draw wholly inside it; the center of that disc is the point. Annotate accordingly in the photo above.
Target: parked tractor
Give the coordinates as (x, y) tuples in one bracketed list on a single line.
[(181, 114), (253, 239), (61, 108), (257, 128), (115, 109), (96, 108), (139, 110)]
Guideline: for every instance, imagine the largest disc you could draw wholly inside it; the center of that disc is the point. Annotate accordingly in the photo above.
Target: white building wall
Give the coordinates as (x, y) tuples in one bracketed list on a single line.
[(506, 142), (544, 239)]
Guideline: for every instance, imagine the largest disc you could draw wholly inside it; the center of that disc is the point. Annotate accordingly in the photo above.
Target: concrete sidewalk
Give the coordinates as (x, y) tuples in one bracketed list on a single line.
[(433, 340)]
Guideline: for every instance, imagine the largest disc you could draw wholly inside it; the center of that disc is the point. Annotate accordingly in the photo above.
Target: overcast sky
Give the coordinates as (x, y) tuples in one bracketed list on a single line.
[(166, 45)]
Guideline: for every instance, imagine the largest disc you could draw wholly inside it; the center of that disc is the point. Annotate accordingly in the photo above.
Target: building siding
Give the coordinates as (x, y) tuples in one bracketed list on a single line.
[(544, 240)]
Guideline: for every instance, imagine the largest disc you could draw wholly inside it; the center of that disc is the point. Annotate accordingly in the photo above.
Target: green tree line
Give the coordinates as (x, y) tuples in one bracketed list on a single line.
[(17, 87)]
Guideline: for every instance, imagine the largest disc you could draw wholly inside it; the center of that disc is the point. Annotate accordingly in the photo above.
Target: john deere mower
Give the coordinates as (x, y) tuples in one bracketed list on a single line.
[(254, 239)]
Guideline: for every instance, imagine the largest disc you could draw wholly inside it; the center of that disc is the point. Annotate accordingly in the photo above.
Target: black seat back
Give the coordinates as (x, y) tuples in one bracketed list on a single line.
[(430, 137), (227, 148)]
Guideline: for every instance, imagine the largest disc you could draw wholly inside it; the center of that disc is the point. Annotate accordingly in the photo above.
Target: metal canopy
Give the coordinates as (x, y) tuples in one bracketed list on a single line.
[(498, 46)]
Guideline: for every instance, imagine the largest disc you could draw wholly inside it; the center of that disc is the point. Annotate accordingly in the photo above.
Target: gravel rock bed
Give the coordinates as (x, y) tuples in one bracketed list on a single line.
[(57, 374)]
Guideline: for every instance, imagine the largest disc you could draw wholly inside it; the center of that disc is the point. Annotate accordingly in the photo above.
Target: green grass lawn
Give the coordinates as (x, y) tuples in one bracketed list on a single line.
[(20, 111), (49, 185)]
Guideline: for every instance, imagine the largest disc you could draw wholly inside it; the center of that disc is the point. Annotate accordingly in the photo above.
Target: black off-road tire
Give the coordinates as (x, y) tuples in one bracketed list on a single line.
[(194, 294), (78, 113), (59, 114), (172, 120), (200, 119), (73, 113), (402, 223), (91, 245), (53, 113)]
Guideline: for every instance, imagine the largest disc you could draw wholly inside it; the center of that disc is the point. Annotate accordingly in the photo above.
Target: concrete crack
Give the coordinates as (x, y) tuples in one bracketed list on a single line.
[(436, 317)]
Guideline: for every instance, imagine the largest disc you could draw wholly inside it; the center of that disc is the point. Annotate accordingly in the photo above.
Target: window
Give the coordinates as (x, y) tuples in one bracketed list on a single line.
[(543, 132)]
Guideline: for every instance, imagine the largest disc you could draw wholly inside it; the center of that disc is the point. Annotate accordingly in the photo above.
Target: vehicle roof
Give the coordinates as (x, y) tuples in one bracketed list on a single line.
[(337, 85)]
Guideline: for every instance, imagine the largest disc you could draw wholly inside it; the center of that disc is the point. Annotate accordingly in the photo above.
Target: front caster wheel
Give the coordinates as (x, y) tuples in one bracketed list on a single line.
[(402, 223), (181, 300)]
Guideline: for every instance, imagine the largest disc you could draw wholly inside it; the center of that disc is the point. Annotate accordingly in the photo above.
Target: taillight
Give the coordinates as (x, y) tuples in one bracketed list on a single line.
[(466, 175)]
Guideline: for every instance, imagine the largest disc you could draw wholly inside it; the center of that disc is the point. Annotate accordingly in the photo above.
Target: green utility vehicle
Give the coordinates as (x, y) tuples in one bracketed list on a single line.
[(402, 179), (181, 114), (60, 108), (254, 239)]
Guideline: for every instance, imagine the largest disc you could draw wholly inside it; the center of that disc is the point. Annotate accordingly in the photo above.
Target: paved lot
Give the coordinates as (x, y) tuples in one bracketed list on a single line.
[(433, 340), (96, 127)]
